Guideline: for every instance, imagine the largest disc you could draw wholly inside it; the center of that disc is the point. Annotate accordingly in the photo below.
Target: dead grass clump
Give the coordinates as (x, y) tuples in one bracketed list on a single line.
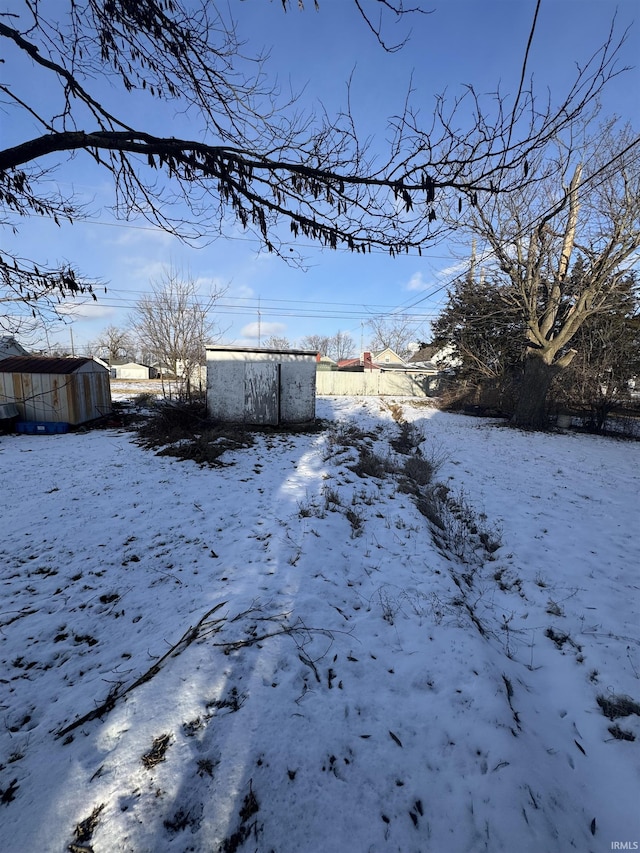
[(332, 499), (419, 470), (432, 502), (83, 832), (560, 638), (157, 752), (182, 430), (146, 400), (621, 734), (356, 521), (250, 807), (618, 706), (170, 422), (458, 528), (396, 413), (408, 438), (207, 447), (350, 435), (370, 464)]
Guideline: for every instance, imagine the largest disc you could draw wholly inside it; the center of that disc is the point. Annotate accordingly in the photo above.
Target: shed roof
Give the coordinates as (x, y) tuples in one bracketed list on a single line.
[(230, 348), (41, 364)]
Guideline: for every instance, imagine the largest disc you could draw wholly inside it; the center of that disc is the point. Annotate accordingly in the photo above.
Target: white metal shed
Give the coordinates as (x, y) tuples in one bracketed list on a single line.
[(256, 385), (55, 390), (130, 370)]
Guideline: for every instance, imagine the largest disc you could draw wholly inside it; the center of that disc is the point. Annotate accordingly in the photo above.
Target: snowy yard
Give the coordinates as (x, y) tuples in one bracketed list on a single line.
[(278, 654)]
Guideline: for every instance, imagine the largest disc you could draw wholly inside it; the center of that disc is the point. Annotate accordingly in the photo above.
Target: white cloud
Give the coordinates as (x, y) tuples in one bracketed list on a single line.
[(146, 236), (85, 310), (210, 284), (241, 291), (262, 330), (144, 270), (454, 270), (416, 282)]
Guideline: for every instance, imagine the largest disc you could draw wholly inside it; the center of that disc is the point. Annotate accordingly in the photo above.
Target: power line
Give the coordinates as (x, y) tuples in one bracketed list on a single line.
[(527, 228)]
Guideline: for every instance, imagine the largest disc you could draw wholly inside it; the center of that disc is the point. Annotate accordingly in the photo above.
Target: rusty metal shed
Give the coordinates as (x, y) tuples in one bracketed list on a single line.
[(55, 390), (256, 385)]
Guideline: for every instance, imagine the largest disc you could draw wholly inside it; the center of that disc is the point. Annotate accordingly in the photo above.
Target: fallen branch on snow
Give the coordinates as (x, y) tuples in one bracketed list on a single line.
[(204, 628), (118, 693)]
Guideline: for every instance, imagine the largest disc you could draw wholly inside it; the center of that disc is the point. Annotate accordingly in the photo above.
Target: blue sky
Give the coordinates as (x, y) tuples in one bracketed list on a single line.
[(480, 42)]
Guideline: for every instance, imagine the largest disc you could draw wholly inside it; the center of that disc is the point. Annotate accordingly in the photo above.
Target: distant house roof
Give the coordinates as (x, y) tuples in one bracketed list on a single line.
[(423, 354), (388, 356), (41, 364), (9, 346), (433, 357), (365, 362)]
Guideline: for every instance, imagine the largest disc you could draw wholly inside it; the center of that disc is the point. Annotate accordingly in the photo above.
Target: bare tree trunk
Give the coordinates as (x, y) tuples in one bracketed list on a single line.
[(531, 408)]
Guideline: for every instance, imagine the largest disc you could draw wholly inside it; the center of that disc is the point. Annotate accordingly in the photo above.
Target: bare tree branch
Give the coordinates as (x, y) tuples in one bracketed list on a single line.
[(258, 160), (562, 251)]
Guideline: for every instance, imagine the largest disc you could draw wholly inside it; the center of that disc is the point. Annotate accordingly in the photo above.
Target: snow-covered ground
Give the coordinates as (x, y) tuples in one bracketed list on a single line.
[(283, 659)]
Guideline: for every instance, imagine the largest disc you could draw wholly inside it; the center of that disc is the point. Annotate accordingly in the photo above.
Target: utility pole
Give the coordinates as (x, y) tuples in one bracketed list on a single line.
[(259, 322), (73, 352)]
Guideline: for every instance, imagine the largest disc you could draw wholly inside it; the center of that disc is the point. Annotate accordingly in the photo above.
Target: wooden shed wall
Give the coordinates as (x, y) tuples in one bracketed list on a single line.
[(59, 398)]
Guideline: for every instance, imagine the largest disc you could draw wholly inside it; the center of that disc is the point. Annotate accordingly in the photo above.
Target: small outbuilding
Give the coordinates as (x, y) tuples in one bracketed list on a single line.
[(55, 390), (131, 370), (10, 346), (256, 385)]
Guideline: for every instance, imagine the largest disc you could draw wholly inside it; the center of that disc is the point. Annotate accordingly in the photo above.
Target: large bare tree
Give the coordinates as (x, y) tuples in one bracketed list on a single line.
[(113, 344), (175, 322), (341, 345), (395, 331), (257, 158), (562, 247), (320, 343)]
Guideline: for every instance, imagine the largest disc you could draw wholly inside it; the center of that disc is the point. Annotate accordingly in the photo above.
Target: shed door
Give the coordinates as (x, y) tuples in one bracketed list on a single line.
[(262, 392)]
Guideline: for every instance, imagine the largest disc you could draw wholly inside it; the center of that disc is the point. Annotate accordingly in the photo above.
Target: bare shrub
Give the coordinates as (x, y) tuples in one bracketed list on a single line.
[(370, 464), (419, 470), (356, 520), (145, 400), (332, 499), (431, 504)]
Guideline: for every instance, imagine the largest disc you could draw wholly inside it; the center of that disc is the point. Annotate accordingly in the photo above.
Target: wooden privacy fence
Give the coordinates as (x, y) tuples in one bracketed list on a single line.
[(376, 383)]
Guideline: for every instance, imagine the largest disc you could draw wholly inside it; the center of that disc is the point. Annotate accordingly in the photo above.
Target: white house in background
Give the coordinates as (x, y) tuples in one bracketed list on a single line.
[(435, 357), (159, 369), (388, 358), (197, 375), (9, 346), (131, 370)]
